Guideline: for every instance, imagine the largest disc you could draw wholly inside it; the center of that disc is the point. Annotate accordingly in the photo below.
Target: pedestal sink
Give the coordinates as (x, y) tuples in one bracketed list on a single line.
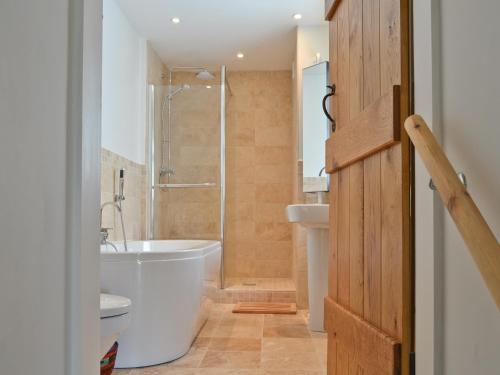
[(315, 218)]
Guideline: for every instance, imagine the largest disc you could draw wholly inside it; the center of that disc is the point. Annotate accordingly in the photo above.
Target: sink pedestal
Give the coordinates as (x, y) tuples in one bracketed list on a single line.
[(317, 274), (314, 217)]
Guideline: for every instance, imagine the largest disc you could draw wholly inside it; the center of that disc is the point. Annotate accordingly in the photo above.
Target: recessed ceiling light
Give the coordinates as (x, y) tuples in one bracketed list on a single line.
[(240, 55), (208, 86), (297, 16), (176, 20)]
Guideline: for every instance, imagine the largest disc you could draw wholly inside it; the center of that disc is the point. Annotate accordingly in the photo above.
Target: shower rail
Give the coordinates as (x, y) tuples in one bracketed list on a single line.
[(187, 186)]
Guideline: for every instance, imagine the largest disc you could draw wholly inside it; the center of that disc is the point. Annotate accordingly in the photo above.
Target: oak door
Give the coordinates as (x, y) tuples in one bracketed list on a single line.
[(368, 313)]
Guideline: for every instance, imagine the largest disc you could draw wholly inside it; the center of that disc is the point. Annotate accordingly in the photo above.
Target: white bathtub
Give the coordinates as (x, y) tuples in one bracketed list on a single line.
[(170, 284)]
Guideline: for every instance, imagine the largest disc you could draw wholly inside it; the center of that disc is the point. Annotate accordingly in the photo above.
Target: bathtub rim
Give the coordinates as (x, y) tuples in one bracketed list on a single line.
[(161, 255)]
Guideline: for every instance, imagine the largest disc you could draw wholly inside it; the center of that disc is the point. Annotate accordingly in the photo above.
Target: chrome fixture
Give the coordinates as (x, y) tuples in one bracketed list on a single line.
[(117, 204), (104, 238), (205, 75), (187, 186), (224, 83), (178, 90), (321, 171)]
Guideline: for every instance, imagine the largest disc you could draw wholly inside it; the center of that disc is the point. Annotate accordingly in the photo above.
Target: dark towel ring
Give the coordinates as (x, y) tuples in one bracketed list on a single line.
[(332, 89)]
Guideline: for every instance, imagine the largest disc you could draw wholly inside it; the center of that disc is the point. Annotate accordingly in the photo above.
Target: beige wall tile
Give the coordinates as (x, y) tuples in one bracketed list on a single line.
[(259, 174), (134, 205)]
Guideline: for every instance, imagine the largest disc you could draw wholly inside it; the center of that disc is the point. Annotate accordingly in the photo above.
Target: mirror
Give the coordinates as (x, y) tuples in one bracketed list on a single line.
[(315, 127)]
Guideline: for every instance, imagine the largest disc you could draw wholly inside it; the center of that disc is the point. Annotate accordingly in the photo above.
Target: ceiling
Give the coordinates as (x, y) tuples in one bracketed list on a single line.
[(212, 32)]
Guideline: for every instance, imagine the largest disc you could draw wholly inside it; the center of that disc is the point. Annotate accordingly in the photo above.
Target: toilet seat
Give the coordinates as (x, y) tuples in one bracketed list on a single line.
[(114, 305)]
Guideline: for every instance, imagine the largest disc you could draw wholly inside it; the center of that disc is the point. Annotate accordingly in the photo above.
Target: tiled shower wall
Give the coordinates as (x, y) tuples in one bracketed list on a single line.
[(259, 175), (259, 168)]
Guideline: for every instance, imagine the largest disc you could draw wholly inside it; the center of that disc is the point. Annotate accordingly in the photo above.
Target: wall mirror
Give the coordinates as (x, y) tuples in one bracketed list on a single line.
[(315, 127)]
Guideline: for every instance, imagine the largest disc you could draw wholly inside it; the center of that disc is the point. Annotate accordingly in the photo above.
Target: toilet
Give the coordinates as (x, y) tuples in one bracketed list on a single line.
[(115, 319)]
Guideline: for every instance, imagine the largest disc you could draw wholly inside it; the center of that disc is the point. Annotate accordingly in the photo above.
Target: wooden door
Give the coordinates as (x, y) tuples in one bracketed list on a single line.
[(368, 313)]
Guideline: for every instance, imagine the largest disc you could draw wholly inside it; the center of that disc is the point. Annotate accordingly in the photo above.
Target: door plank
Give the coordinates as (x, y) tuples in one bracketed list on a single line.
[(355, 58), (343, 269), (342, 360), (392, 241), (334, 110), (355, 368), (372, 242), (331, 361), (356, 238), (372, 348), (342, 92), (390, 44), (333, 258), (376, 128), (371, 51)]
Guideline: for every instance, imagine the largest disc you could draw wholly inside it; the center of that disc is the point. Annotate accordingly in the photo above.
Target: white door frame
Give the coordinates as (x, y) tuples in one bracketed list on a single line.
[(83, 186), (429, 214)]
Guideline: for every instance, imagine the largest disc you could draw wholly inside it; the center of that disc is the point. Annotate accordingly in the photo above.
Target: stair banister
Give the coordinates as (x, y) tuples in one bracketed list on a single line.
[(471, 224)]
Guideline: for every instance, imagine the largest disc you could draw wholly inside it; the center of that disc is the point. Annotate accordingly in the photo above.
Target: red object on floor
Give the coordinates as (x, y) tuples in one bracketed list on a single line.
[(108, 361)]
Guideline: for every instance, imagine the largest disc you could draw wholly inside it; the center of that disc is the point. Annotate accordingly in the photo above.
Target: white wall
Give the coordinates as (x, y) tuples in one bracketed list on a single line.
[(310, 41), (49, 257), (471, 133), (467, 84), (124, 86)]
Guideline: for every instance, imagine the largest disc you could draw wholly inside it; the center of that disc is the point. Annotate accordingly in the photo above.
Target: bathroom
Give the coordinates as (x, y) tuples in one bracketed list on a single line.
[(181, 180), (202, 152)]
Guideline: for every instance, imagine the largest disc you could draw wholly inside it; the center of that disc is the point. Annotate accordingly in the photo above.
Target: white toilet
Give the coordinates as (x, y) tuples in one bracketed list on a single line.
[(115, 319)]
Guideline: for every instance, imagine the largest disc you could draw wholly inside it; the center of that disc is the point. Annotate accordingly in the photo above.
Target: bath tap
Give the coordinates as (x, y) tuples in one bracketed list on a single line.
[(104, 231), (117, 204), (104, 239)]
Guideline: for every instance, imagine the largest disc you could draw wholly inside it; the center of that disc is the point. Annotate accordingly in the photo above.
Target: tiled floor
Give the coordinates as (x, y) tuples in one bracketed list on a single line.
[(236, 344), (257, 290), (272, 284)]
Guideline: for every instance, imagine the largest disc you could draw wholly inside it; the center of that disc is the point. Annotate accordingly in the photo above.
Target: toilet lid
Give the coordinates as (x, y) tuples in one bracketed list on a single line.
[(114, 305)]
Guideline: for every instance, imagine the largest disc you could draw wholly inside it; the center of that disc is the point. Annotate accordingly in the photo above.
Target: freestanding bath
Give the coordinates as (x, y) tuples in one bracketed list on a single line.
[(170, 284)]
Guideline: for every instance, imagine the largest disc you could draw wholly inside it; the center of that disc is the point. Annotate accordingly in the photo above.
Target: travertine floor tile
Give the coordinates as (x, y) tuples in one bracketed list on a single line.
[(245, 344), (191, 360), (290, 331), (287, 345), (295, 360), (201, 342), (232, 344), (235, 360)]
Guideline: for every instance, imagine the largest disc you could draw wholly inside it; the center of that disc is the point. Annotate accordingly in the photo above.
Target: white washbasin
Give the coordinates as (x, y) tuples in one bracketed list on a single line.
[(315, 217), (309, 215)]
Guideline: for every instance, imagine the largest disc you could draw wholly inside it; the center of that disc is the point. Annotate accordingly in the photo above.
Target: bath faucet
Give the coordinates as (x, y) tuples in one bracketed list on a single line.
[(105, 231), (117, 204), (104, 239)]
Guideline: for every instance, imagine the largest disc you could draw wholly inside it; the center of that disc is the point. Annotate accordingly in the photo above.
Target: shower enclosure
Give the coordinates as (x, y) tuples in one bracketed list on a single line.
[(186, 156)]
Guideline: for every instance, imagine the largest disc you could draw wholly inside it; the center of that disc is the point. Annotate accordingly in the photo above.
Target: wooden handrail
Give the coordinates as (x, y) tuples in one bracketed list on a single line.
[(476, 233)]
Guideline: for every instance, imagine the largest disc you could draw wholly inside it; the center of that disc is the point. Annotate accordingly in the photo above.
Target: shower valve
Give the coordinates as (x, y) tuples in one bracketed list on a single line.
[(167, 171)]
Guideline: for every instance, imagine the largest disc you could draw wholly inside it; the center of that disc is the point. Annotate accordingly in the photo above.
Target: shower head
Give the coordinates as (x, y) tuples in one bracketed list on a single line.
[(178, 90), (205, 75)]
